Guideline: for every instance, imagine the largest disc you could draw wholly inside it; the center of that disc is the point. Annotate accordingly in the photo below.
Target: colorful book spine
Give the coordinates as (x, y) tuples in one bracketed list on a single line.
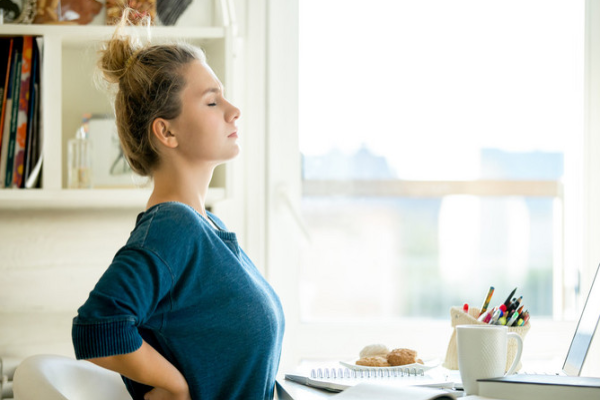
[(12, 137), (22, 114), (5, 76), (33, 178), (11, 99), (32, 132)]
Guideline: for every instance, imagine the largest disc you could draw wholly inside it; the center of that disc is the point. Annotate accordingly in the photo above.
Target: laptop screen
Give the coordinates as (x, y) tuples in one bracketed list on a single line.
[(585, 331)]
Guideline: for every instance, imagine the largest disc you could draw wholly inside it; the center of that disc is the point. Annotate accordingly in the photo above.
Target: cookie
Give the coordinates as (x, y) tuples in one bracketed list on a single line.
[(376, 361), (374, 350), (398, 357)]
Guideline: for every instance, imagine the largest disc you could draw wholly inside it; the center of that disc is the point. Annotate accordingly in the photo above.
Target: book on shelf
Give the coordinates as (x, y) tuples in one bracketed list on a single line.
[(10, 115), (35, 138), (5, 54), (32, 141), (548, 387), (22, 115), (20, 127)]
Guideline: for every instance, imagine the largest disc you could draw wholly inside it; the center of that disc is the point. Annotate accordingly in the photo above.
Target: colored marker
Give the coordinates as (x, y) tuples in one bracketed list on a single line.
[(488, 298), (520, 309), (515, 304), (485, 317), (497, 315), (502, 321), (466, 308), (513, 318), (507, 302)]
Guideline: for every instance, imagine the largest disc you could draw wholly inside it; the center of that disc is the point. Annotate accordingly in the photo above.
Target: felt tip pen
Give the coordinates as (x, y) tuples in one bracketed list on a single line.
[(485, 317), (502, 321), (515, 304), (520, 309), (466, 308), (513, 318), (487, 300), (507, 302), (497, 314)]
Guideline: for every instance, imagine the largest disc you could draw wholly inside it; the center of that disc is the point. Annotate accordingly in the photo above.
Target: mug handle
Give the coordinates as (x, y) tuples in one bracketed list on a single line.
[(519, 340)]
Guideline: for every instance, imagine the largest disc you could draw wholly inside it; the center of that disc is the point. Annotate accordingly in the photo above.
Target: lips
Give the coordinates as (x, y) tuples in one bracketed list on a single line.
[(233, 135)]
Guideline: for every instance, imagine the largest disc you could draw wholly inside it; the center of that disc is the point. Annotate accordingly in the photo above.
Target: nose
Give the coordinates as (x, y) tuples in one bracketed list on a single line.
[(233, 113)]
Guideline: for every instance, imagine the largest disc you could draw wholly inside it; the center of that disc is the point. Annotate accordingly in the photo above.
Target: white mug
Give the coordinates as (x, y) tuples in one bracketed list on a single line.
[(482, 352)]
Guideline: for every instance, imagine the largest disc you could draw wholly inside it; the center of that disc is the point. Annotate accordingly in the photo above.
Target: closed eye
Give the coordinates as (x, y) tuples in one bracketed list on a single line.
[(212, 104)]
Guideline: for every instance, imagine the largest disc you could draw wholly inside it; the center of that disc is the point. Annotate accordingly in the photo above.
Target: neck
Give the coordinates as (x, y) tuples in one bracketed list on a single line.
[(188, 186)]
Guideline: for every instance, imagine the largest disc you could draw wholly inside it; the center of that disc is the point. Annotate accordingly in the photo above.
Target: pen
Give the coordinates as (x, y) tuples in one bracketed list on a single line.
[(515, 304), (487, 300), (466, 308), (485, 317), (520, 308), (513, 318), (507, 302), (497, 314)]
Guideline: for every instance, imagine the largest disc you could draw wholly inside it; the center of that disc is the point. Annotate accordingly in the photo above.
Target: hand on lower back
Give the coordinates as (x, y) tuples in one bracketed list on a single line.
[(162, 394)]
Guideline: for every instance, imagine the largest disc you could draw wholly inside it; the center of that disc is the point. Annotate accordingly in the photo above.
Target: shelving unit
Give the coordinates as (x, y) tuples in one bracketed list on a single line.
[(68, 90)]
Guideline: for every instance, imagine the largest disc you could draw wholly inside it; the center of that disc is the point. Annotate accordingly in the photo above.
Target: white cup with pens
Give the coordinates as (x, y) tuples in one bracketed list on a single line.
[(482, 353)]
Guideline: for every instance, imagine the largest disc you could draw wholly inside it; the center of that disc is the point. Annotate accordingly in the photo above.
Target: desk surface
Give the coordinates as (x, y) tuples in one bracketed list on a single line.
[(288, 390)]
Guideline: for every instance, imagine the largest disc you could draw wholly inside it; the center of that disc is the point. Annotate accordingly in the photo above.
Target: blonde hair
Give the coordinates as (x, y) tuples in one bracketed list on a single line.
[(149, 80)]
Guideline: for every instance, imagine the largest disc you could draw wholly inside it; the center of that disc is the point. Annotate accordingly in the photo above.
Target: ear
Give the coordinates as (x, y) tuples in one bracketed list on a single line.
[(162, 132)]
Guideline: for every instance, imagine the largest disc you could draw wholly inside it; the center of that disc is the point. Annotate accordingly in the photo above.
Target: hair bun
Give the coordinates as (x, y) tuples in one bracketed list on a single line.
[(121, 49)]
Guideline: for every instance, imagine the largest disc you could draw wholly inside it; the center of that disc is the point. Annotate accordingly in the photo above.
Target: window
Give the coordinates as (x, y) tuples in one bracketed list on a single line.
[(434, 139), (438, 143)]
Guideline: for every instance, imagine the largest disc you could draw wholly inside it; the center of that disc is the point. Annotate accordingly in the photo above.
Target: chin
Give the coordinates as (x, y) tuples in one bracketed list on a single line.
[(232, 154), (236, 151)]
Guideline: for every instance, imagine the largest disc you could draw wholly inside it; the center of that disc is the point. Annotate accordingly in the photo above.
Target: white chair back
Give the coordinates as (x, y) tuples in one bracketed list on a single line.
[(53, 377)]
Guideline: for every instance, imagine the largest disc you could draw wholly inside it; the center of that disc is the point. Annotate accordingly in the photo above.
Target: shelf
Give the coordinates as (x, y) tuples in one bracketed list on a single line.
[(77, 33), (93, 198), (69, 91)]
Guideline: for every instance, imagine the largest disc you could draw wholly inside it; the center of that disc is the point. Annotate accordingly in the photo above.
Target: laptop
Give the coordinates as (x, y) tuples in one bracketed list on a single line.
[(584, 333), (586, 327)]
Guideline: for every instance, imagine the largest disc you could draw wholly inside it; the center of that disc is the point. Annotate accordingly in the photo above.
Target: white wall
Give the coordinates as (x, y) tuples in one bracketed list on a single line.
[(51, 259), (49, 262)]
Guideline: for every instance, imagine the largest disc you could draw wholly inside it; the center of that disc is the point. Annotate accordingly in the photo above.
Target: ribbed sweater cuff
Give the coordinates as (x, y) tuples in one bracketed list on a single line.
[(105, 339)]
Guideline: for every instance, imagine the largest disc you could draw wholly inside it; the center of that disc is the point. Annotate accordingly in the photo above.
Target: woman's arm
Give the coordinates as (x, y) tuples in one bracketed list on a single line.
[(149, 367)]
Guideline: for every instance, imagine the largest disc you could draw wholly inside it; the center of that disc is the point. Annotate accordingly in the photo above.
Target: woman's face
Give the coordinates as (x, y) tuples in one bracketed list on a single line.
[(206, 129)]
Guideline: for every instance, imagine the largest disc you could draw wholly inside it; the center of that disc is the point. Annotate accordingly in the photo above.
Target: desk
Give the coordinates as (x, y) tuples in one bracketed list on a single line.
[(288, 390)]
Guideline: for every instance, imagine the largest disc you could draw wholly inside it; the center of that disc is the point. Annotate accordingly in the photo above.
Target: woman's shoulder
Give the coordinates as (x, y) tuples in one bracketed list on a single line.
[(166, 222), (171, 210)]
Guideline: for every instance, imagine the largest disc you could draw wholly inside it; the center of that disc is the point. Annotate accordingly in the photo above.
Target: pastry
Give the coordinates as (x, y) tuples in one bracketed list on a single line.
[(374, 361), (373, 350), (402, 357)]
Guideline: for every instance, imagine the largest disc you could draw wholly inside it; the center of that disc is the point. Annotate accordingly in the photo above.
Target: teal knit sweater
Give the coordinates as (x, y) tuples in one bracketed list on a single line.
[(193, 294)]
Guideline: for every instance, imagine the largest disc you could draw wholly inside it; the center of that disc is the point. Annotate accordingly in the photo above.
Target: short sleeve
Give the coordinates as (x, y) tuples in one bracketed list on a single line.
[(130, 294)]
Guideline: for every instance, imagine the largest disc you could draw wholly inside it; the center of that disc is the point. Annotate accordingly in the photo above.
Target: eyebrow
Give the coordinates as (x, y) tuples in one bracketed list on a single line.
[(211, 90)]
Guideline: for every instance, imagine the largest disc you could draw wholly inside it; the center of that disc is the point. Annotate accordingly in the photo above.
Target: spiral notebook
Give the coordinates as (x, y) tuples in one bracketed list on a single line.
[(339, 379)]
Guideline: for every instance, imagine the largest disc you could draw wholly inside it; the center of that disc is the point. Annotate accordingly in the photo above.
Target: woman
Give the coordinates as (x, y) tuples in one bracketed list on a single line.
[(181, 313)]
